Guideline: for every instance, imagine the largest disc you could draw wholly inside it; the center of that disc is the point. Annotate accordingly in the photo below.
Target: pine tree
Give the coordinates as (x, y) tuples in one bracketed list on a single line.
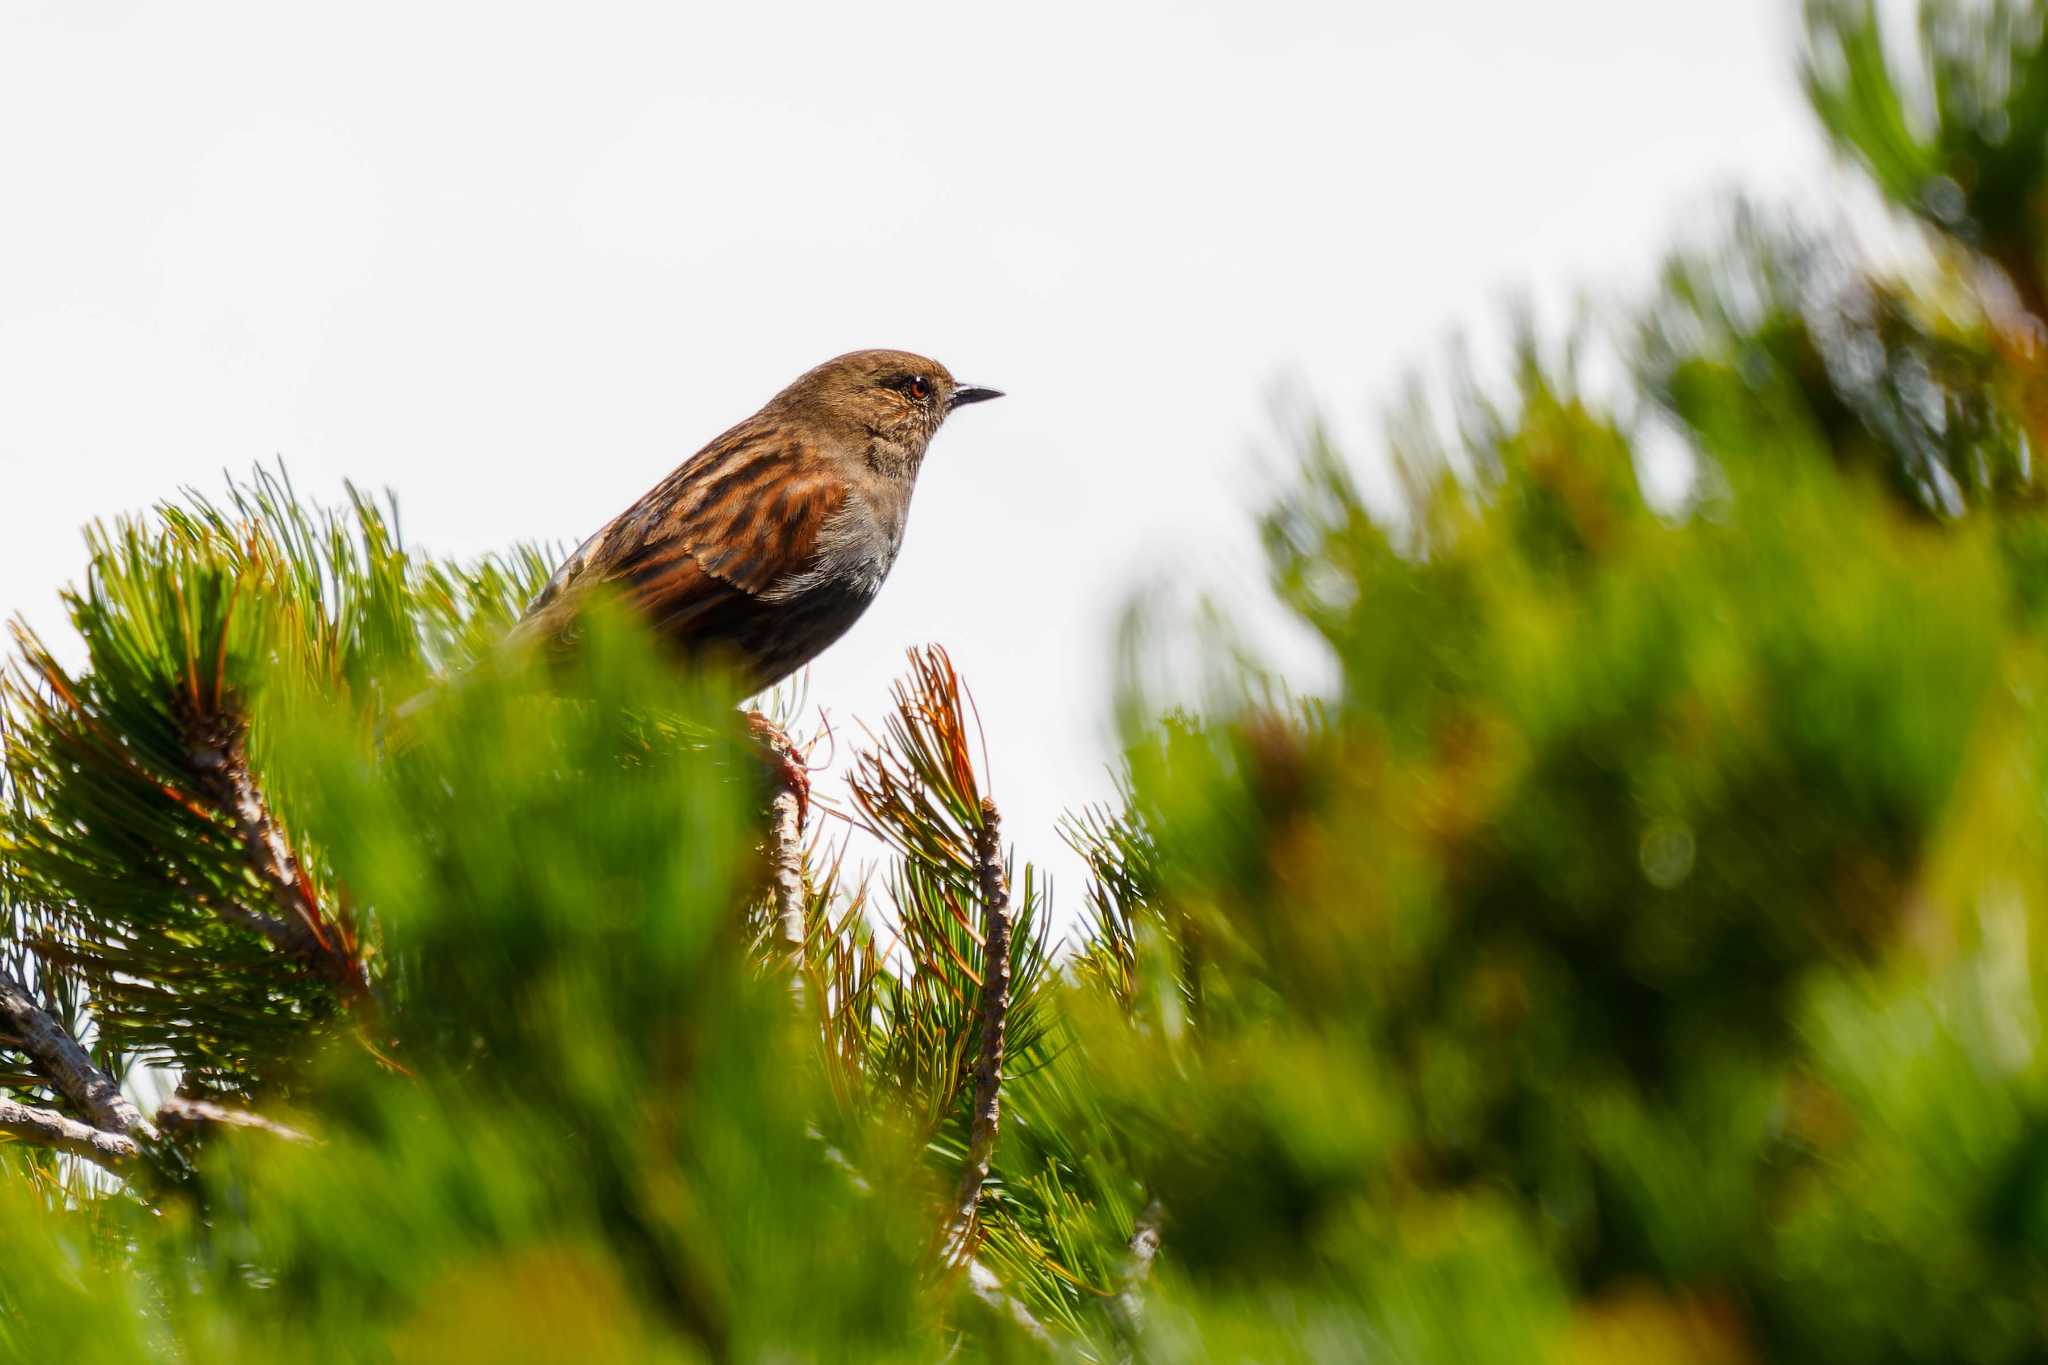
[(1631, 957)]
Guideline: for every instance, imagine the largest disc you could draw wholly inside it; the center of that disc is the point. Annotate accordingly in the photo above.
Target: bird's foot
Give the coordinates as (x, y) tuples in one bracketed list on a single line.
[(784, 759)]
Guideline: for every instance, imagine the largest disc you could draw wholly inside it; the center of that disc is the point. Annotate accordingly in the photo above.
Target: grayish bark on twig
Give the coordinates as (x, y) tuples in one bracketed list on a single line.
[(997, 919), (64, 1062), (786, 844), (786, 871), (190, 1114), (48, 1128), (181, 1114), (61, 1060)]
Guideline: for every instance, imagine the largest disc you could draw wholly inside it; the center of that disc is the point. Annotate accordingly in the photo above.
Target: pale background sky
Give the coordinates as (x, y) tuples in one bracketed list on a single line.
[(515, 262)]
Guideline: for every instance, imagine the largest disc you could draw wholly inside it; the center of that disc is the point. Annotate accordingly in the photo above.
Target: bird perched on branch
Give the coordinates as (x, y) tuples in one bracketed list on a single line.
[(767, 544)]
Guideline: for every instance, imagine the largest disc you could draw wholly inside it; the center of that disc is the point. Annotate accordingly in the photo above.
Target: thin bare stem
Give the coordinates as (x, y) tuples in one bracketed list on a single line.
[(786, 871), (786, 811)]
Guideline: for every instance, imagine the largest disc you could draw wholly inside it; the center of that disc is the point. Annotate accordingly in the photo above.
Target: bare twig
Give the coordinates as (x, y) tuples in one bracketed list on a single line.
[(786, 870), (48, 1128), (786, 811), (113, 1150), (59, 1057), (997, 920), (190, 1114)]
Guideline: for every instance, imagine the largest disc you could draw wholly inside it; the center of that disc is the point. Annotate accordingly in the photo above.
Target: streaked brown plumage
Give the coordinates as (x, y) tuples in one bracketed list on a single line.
[(767, 544)]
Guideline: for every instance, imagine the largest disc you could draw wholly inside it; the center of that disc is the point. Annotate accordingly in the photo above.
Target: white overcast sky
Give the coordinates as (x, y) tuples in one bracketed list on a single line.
[(516, 261)]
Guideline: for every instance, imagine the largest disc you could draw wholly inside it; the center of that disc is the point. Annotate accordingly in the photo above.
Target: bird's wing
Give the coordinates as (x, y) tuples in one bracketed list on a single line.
[(741, 516)]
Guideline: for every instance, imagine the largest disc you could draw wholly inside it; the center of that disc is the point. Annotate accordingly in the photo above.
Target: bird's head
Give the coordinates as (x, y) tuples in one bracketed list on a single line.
[(893, 397)]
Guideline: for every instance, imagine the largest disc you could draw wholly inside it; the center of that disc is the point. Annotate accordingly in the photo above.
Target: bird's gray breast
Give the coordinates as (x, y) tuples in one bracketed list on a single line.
[(856, 547), (818, 603)]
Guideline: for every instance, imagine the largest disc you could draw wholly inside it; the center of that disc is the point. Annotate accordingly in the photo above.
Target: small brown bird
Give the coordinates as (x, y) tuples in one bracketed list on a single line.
[(767, 544)]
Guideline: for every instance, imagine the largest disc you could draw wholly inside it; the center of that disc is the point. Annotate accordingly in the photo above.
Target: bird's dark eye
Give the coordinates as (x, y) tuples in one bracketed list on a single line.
[(918, 387)]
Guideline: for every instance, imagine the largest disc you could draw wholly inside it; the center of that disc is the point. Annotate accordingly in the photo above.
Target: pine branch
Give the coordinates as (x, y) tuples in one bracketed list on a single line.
[(967, 1005), (188, 1114), (785, 837), (181, 902), (59, 1057), (997, 921), (48, 1128), (180, 1115), (109, 1139), (300, 928), (786, 862)]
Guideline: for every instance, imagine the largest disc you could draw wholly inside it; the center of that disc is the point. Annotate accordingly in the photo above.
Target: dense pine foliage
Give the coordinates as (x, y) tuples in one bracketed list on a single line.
[(1630, 957)]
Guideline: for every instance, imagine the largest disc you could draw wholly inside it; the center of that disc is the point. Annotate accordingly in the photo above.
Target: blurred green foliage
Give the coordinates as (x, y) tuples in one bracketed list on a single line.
[(1630, 957)]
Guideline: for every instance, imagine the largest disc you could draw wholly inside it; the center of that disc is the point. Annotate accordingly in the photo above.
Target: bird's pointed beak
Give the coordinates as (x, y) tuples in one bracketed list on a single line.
[(967, 394)]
